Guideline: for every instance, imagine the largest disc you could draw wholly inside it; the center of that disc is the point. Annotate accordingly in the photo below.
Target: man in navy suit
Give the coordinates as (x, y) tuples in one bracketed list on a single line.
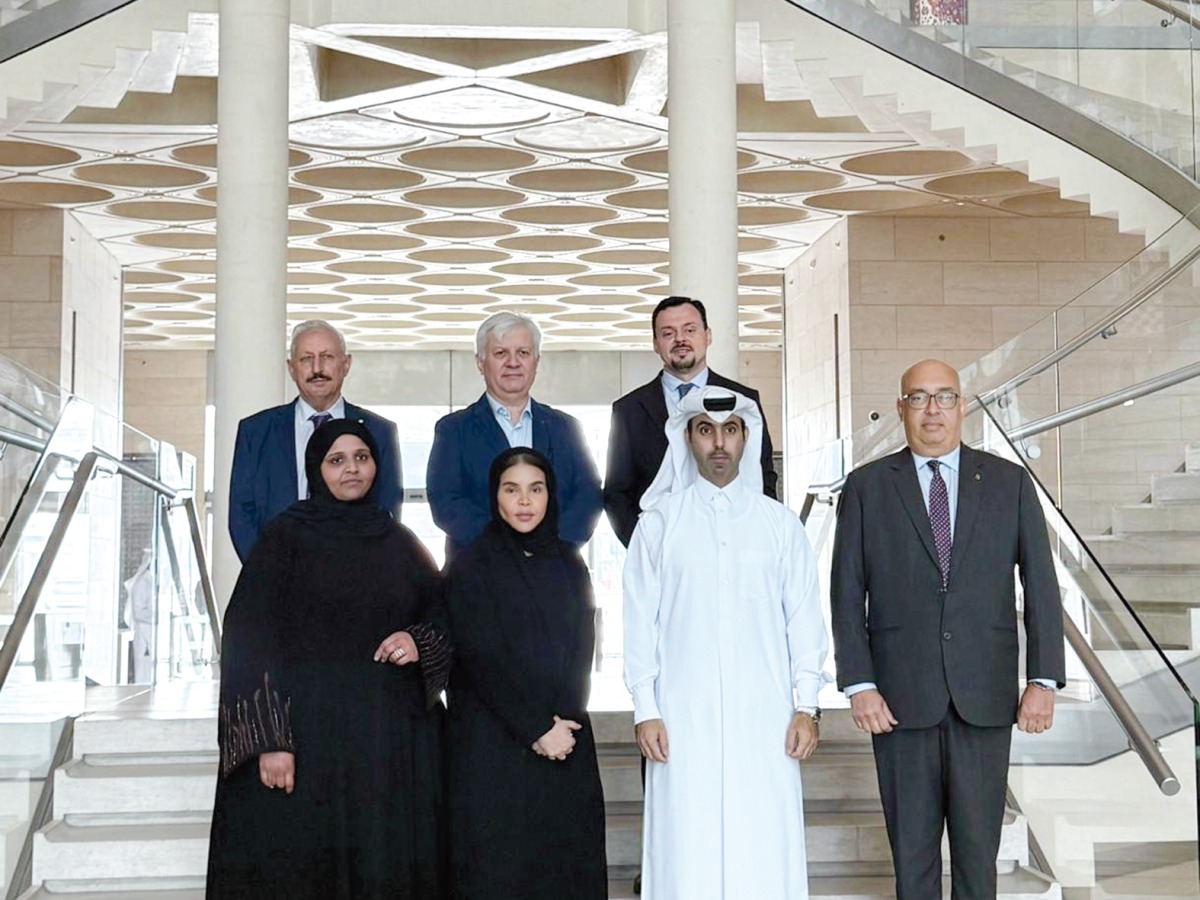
[(268, 458), (507, 349), (637, 441)]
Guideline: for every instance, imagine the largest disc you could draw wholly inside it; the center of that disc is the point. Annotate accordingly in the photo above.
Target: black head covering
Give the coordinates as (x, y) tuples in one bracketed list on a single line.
[(361, 518), (543, 539)]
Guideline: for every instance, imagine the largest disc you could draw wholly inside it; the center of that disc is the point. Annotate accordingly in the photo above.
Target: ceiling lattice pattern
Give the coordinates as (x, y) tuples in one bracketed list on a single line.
[(435, 181)]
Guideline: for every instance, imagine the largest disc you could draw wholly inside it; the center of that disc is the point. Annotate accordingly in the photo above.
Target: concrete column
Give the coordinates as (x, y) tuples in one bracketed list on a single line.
[(252, 176), (702, 165)]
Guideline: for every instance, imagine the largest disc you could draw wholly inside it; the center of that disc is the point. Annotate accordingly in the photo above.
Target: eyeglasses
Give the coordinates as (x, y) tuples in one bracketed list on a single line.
[(920, 399)]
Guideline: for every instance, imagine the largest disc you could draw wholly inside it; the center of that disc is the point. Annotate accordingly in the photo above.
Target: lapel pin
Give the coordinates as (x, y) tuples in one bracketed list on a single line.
[(978, 476)]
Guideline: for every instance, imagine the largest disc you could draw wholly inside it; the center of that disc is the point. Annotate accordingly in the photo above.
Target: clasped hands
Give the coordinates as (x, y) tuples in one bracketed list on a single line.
[(803, 735), (1034, 715), (559, 741)]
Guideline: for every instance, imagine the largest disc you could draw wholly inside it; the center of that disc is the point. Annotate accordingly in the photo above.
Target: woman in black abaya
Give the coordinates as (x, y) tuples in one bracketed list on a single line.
[(526, 808), (333, 657)]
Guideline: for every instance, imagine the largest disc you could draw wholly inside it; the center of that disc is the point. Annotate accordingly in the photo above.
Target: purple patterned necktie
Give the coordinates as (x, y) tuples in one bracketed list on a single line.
[(319, 419), (939, 519)]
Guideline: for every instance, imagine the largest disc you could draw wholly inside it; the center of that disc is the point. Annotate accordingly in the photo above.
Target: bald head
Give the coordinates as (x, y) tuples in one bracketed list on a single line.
[(932, 407)]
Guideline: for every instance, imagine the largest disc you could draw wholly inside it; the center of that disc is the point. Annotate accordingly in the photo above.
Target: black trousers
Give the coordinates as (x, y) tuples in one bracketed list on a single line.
[(953, 776)]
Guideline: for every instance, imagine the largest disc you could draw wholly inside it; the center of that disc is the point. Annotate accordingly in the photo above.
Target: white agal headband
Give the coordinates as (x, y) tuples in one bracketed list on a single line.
[(678, 470)]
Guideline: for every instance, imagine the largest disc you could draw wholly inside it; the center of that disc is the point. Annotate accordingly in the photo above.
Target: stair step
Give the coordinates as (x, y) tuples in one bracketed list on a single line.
[(1175, 487), (82, 786), (1139, 518), (108, 733), (147, 848), (1022, 884), (1175, 548), (119, 888)]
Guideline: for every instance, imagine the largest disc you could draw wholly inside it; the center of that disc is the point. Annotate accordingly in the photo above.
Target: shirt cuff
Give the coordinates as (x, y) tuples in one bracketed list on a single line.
[(645, 704), (853, 689), (1048, 683)]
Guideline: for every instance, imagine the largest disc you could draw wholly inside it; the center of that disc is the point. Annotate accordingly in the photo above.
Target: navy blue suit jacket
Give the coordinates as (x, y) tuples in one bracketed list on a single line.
[(264, 481), (464, 445)]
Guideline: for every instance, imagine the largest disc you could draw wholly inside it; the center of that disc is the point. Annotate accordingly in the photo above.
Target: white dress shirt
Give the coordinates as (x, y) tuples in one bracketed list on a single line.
[(520, 434), (671, 383)]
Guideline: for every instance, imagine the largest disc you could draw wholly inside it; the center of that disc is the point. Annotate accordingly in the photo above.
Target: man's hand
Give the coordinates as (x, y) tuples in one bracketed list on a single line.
[(803, 735), (652, 739), (871, 712), (1036, 713), (278, 770)]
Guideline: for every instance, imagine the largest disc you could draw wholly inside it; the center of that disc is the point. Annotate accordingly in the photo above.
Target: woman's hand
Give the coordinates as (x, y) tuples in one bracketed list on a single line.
[(278, 770), (398, 648), (558, 742)]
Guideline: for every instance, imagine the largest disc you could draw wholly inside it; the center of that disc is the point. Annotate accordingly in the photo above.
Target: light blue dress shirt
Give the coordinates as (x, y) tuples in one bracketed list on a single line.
[(949, 465), (671, 383), (520, 434)]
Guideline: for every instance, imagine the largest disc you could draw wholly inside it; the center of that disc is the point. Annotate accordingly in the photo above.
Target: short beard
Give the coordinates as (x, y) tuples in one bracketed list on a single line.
[(686, 366)]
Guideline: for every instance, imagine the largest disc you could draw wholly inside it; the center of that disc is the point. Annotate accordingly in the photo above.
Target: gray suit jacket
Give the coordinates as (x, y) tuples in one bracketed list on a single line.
[(926, 647)]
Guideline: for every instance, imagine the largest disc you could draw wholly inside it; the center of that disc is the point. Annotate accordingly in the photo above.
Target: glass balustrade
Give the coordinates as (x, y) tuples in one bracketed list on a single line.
[(1129, 65)]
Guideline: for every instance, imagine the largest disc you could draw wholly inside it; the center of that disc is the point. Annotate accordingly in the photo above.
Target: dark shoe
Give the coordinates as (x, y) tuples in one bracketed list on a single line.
[(637, 883)]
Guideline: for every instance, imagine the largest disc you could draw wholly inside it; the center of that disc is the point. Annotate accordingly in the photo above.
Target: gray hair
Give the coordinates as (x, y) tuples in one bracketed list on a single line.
[(314, 325), (501, 324)]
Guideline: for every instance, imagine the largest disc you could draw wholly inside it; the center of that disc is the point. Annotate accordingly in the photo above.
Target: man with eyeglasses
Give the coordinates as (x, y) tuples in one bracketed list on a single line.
[(268, 458), (637, 441), (926, 638)]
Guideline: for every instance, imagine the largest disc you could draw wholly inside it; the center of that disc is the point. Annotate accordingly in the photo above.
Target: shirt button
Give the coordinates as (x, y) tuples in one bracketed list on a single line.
[(946, 635)]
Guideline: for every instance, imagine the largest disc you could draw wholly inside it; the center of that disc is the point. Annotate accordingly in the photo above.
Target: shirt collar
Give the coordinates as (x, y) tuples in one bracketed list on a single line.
[(709, 492), (950, 460), (672, 382), (500, 411), (305, 412)]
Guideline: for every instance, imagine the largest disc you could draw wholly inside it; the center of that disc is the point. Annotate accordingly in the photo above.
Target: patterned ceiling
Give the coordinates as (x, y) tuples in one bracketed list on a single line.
[(435, 180)]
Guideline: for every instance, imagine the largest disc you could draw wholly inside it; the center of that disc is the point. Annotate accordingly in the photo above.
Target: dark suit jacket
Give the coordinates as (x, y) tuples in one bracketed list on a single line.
[(264, 481), (637, 444), (464, 445), (924, 647)]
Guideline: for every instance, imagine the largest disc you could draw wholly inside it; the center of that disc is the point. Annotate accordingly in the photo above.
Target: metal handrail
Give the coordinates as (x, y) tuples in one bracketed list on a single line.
[(1108, 401), (1175, 12), (35, 419), (41, 572), (1102, 327), (206, 585)]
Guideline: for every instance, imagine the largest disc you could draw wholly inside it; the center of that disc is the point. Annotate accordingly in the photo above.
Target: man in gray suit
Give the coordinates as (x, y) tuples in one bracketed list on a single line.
[(925, 633)]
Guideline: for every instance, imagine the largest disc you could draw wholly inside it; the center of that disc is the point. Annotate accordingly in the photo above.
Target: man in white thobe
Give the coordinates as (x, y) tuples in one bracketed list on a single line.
[(724, 648)]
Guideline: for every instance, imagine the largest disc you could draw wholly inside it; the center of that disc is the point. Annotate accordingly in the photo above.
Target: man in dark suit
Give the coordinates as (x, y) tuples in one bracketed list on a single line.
[(925, 633), (268, 458), (507, 350), (637, 441)]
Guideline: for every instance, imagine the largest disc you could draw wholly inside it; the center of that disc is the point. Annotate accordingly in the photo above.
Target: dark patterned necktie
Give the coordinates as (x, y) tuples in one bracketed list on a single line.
[(684, 388), (939, 518), (319, 419)]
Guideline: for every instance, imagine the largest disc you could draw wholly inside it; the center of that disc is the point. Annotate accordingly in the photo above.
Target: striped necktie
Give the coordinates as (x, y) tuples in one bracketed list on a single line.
[(319, 419)]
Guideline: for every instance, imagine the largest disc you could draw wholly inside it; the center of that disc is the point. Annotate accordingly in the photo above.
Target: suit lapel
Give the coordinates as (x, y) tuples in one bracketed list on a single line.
[(284, 437), (904, 476), (543, 440), (970, 490), (654, 408), (489, 430)]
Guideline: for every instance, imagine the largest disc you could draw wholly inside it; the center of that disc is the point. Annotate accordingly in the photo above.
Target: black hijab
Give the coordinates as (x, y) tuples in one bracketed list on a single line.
[(363, 517), (537, 567), (542, 540)]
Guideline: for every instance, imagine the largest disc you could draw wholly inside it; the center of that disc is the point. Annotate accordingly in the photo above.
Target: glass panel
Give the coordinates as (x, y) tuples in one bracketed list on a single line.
[(1126, 64)]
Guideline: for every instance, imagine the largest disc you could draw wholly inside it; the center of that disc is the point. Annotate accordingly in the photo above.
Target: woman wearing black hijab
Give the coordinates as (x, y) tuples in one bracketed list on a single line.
[(526, 808), (333, 657)]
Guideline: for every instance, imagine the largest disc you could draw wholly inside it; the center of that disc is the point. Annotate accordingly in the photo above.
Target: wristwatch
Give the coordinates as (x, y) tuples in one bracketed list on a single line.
[(813, 712)]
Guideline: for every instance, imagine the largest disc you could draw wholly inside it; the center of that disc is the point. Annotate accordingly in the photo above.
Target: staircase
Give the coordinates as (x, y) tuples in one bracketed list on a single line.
[(132, 809), (1152, 555)]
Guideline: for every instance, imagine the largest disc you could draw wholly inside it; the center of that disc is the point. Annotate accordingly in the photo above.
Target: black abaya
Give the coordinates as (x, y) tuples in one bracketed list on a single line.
[(317, 596), (521, 825)]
